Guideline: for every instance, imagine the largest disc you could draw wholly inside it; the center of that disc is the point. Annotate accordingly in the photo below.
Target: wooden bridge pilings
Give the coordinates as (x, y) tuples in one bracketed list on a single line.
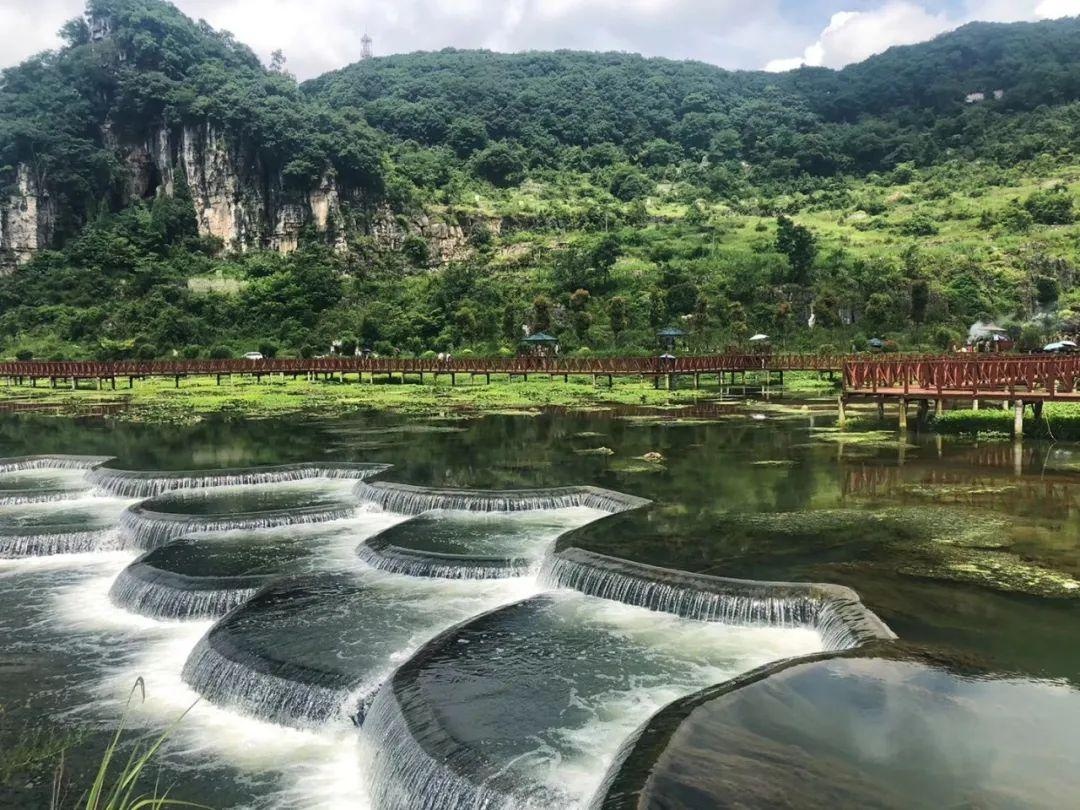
[(1016, 381), (657, 367)]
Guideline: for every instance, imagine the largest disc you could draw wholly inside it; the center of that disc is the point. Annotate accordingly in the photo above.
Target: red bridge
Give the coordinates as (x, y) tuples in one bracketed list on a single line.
[(74, 371), (1032, 378), (1015, 380)]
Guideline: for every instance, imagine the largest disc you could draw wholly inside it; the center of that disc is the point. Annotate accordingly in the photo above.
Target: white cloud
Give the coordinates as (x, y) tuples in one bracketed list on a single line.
[(851, 36), (320, 35), (27, 27), (1052, 9)]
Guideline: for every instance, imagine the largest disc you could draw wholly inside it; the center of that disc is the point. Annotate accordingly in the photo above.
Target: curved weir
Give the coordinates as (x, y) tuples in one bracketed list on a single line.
[(525, 706), (208, 574), (834, 611), (310, 650), (153, 523), (50, 540), (884, 726), (470, 545), (52, 461), (413, 500), (18, 497), (40, 529), (147, 484)]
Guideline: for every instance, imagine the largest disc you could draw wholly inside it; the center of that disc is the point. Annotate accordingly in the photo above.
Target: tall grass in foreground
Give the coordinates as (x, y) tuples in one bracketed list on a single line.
[(118, 791)]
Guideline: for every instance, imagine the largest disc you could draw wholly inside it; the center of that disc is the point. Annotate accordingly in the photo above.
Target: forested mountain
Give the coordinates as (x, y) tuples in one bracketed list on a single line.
[(162, 191), (907, 104)]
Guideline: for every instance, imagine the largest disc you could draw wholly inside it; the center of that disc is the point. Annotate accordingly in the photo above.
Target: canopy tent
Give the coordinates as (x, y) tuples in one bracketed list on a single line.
[(540, 338), (758, 337), (1062, 346), (541, 344), (669, 336)]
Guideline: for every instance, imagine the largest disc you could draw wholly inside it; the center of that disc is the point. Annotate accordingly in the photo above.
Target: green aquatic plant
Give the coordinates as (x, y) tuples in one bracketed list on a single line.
[(36, 748), (116, 789), (993, 569)]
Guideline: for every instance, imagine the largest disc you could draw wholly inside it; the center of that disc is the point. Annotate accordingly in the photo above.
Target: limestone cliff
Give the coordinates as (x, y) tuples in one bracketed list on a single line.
[(236, 201), (27, 220)]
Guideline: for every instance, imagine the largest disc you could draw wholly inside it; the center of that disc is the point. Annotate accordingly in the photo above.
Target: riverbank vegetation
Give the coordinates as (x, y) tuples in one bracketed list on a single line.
[(160, 400), (1059, 421), (599, 197)]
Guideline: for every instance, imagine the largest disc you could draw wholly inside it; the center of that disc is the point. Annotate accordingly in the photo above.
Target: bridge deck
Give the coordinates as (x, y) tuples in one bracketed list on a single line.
[(554, 366), (1000, 395)]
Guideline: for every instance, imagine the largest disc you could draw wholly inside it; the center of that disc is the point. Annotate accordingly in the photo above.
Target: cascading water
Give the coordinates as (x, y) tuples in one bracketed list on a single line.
[(205, 575), (48, 542), (445, 544), (412, 500), (155, 522), (526, 705), (141, 484), (833, 611), (57, 461), (143, 529), (306, 650), (522, 704), (73, 526), (18, 498), (150, 591)]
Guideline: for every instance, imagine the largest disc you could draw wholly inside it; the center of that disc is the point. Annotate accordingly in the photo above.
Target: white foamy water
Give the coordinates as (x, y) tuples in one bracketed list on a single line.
[(308, 769), (617, 663)]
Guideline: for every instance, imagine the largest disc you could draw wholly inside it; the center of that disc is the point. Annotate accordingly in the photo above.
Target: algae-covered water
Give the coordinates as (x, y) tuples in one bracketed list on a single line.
[(415, 652)]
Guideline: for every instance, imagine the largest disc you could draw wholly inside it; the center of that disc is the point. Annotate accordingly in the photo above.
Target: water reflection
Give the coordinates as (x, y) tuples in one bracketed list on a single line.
[(882, 730), (968, 550)]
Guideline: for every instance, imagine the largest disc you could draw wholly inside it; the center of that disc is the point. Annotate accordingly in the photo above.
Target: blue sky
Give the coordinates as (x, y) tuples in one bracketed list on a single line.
[(319, 35)]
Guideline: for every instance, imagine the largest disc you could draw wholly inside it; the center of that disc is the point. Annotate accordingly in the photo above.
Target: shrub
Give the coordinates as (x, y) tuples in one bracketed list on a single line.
[(268, 349), (416, 250), (220, 353), (307, 351), (1051, 206), (919, 225), (348, 346), (144, 350), (190, 352), (24, 355)]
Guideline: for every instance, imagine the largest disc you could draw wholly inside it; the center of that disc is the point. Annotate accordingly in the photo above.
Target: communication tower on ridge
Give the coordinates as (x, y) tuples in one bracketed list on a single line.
[(365, 47)]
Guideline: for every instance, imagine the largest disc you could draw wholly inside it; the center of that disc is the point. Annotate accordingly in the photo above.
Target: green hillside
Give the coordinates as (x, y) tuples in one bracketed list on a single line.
[(598, 196)]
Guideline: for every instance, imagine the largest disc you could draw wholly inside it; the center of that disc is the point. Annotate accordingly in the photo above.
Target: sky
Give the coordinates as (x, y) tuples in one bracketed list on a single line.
[(321, 35)]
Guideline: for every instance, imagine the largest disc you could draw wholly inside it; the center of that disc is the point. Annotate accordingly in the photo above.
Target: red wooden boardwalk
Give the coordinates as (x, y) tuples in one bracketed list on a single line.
[(555, 366), (1031, 378)]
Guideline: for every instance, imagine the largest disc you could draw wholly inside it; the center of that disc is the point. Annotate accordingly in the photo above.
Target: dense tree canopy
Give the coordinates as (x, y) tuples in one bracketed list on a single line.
[(599, 196)]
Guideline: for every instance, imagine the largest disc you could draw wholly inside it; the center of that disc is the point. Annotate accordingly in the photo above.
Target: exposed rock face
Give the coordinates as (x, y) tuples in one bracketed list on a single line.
[(27, 220), (449, 240), (236, 201)]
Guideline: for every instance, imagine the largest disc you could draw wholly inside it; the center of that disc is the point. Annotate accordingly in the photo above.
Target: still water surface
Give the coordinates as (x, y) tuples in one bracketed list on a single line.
[(968, 551)]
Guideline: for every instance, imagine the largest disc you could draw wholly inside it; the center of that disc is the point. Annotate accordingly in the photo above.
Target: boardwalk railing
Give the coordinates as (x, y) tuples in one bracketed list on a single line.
[(1045, 375), (613, 366)]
